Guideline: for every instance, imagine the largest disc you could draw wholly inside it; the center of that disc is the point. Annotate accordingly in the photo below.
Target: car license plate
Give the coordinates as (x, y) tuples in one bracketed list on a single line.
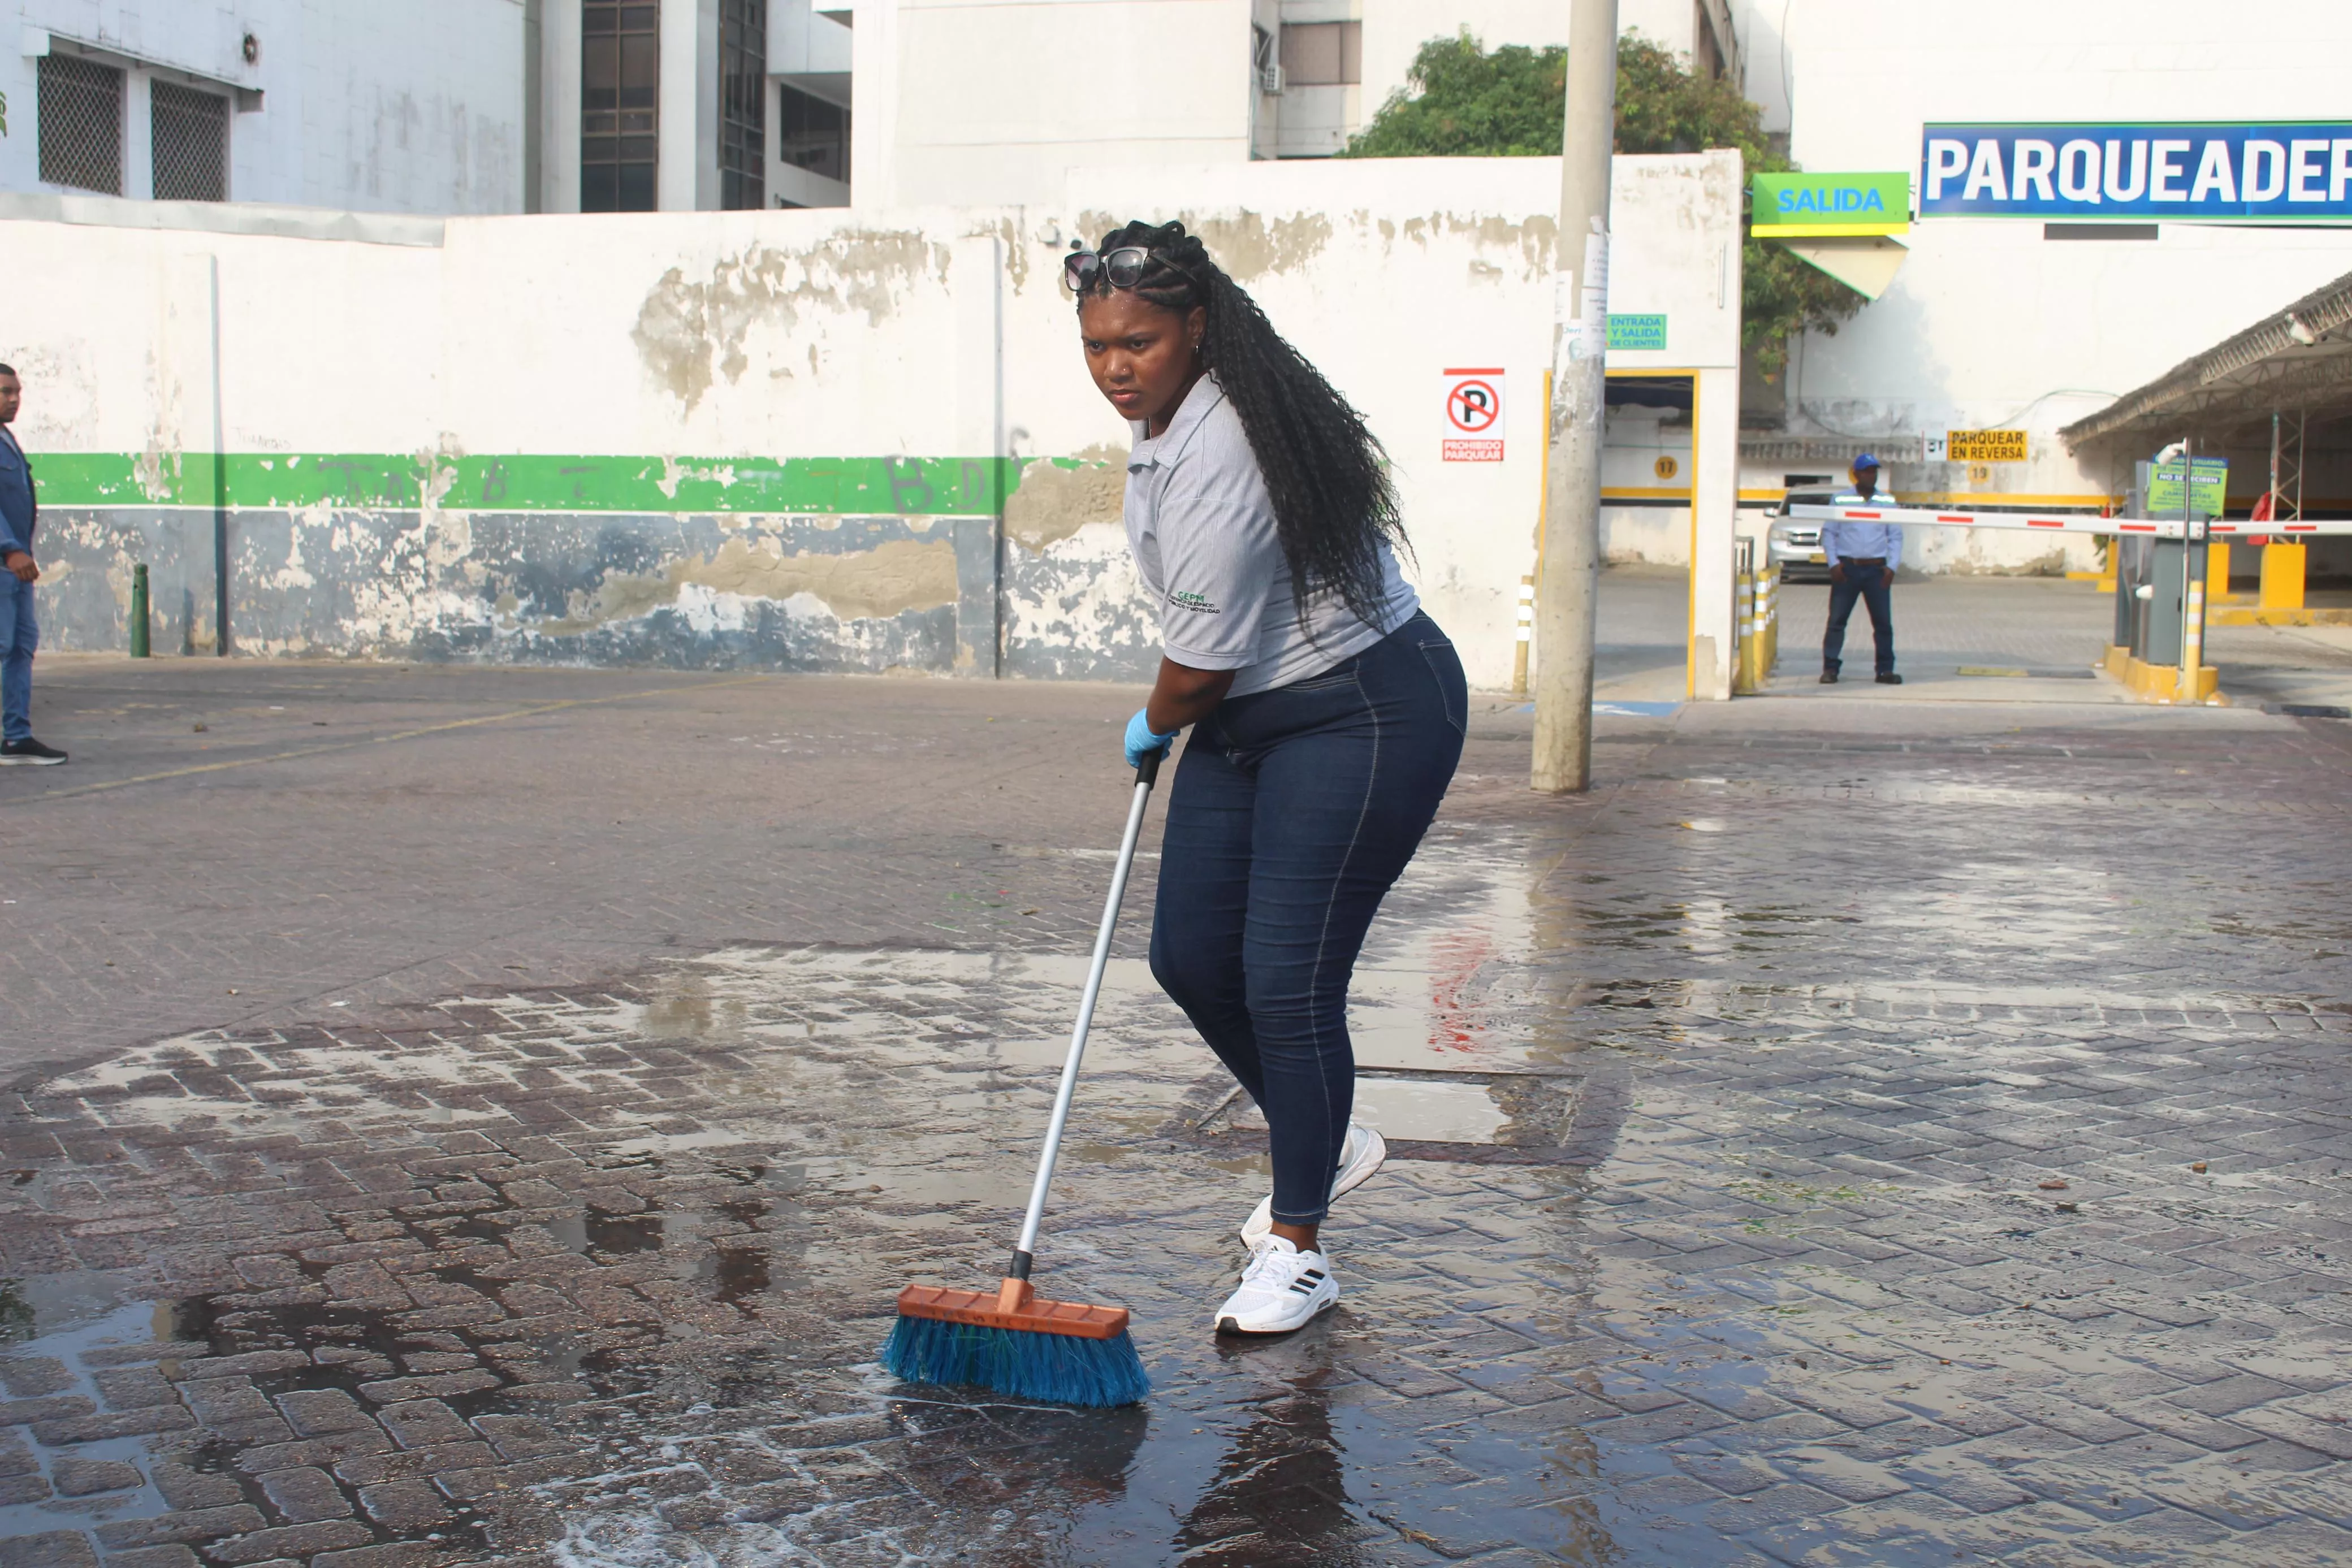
[(1819, 557)]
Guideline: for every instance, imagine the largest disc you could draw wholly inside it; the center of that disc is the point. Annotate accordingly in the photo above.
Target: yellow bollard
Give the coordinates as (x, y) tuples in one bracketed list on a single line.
[(1745, 594), (2217, 572), (2283, 575), (1526, 631)]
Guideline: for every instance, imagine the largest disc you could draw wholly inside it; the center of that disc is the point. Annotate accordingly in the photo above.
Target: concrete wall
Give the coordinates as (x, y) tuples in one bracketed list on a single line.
[(364, 107), (809, 440)]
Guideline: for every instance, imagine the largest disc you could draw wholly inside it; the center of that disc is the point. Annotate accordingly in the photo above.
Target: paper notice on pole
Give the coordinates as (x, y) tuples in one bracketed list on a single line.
[(1594, 314), (1580, 305)]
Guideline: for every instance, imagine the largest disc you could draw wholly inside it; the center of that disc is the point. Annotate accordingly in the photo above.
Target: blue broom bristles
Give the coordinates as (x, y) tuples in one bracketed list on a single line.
[(1061, 1368)]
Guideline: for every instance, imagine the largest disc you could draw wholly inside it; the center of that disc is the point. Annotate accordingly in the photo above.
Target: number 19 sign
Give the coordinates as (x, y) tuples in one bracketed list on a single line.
[(1474, 416)]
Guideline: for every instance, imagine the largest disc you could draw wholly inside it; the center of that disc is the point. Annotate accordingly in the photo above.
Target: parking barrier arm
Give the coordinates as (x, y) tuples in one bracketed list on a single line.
[(2061, 522)]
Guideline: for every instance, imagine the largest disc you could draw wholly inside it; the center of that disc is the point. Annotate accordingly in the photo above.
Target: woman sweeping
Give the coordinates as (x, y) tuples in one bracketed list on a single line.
[(1327, 712)]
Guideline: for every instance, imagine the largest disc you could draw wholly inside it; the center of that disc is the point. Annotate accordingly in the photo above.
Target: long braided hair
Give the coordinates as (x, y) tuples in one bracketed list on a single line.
[(1328, 475)]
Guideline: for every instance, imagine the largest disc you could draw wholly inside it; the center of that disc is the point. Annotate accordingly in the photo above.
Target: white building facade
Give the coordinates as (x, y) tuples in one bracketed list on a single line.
[(433, 108), (693, 105), (456, 107), (965, 102), (415, 108)]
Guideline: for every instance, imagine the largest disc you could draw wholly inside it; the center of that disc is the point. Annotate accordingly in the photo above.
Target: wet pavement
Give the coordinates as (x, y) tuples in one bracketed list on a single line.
[(1858, 1134)]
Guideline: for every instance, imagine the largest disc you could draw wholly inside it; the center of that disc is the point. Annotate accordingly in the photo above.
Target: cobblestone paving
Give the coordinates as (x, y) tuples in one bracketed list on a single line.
[(1731, 1107), (256, 843)]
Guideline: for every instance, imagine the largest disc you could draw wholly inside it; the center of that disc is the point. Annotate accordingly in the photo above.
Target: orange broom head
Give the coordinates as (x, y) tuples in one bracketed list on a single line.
[(1012, 1306)]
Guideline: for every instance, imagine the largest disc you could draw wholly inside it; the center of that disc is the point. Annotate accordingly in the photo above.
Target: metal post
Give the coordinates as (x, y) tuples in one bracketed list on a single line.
[(139, 616), (2302, 429), (1571, 544), (2275, 461), (220, 478), (2192, 604)]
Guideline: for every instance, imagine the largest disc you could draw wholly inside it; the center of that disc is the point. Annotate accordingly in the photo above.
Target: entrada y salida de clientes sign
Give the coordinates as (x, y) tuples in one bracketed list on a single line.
[(2204, 173)]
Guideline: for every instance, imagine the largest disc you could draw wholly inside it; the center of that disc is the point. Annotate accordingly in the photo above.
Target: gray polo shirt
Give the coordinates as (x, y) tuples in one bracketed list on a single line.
[(1201, 526)]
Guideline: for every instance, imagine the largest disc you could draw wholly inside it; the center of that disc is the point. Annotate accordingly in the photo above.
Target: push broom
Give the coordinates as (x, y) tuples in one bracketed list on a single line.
[(1011, 1339)]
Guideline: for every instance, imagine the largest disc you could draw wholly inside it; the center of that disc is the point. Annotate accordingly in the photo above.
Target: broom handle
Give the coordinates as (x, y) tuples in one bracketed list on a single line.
[(1023, 1251)]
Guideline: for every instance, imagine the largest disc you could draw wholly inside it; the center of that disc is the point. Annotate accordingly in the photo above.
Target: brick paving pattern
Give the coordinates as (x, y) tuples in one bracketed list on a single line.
[(1789, 1036)]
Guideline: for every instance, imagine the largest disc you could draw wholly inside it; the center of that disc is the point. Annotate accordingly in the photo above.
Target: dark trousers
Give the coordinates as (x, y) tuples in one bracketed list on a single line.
[(20, 636), (1868, 583), (1293, 813)]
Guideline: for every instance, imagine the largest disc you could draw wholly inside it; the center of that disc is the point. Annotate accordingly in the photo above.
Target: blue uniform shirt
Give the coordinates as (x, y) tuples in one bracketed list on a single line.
[(18, 510), (1843, 541)]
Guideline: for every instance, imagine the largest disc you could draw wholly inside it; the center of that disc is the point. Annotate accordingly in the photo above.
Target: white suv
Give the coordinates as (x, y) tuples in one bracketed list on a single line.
[(1794, 544)]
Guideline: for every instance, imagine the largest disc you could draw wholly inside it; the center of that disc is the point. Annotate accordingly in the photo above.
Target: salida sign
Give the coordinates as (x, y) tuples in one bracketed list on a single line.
[(2209, 172), (1795, 203), (1474, 416)]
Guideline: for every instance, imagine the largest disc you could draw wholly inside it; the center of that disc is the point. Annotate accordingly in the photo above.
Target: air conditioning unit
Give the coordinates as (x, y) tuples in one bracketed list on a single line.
[(1269, 79)]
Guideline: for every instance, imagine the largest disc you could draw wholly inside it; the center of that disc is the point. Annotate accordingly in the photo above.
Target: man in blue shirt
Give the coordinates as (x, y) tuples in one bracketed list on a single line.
[(1862, 557), (19, 633)]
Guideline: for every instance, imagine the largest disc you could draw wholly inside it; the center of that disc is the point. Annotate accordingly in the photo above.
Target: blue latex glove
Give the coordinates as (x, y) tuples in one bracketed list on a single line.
[(1141, 738)]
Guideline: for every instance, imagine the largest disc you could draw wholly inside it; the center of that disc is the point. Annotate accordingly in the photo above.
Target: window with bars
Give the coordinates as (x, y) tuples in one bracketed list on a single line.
[(813, 134), (620, 105), (743, 104), (80, 123), (190, 131)]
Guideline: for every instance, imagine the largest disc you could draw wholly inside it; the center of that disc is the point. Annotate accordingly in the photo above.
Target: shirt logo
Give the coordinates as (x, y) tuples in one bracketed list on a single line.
[(1194, 601)]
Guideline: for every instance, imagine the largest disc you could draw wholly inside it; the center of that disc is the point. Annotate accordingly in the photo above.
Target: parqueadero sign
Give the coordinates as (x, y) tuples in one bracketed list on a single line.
[(2208, 173)]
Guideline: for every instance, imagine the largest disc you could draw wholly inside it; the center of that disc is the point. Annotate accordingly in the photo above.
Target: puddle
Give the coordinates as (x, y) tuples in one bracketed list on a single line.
[(622, 1233), (74, 1331), (1703, 1207), (1435, 1110)]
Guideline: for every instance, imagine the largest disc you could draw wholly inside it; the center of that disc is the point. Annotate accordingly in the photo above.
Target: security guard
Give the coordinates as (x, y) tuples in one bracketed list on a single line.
[(1862, 557)]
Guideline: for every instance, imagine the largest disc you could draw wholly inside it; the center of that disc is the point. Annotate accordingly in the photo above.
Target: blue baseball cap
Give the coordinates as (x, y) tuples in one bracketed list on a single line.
[(1865, 461)]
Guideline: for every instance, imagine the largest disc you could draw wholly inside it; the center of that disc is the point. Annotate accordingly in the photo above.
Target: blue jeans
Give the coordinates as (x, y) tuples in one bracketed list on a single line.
[(1293, 813), (20, 633), (1868, 583)]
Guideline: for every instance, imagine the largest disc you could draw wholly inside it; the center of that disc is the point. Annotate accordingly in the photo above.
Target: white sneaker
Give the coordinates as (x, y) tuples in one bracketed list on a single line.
[(1358, 1158), (1280, 1291)]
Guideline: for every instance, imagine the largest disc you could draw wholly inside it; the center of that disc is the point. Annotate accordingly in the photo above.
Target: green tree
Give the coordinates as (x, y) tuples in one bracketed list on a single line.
[(1463, 101)]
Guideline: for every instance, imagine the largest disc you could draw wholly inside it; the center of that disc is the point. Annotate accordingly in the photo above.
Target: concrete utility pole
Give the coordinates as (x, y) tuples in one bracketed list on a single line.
[(1571, 525)]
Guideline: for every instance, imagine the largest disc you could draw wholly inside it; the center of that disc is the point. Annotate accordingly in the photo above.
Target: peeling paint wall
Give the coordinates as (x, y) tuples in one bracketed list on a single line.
[(683, 591), (820, 440), (1073, 607)]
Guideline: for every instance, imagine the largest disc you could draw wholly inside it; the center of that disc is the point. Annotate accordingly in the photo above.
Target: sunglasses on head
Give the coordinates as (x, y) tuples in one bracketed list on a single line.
[(1123, 267)]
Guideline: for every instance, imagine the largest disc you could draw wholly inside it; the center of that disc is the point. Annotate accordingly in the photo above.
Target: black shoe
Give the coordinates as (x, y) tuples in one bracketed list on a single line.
[(1828, 678), (1890, 679), (29, 753)]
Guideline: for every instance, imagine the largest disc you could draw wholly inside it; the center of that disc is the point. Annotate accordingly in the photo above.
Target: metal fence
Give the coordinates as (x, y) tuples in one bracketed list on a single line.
[(81, 124), (191, 144)]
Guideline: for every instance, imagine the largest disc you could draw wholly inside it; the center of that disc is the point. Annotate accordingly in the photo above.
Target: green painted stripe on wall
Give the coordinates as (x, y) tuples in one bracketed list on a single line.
[(531, 482)]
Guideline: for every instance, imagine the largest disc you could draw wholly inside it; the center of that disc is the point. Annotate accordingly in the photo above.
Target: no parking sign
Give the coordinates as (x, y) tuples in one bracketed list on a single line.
[(1474, 416)]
